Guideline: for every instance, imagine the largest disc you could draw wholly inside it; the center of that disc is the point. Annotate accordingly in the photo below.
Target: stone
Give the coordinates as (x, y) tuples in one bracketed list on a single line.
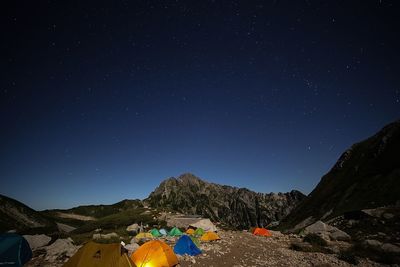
[(372, 243), (390, 248), (326, 231), (37, 241), (105, 236)]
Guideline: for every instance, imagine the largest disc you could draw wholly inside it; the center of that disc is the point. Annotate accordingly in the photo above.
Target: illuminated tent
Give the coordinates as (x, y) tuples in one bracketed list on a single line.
[(154, 232), (163, 232), (261, 232), (144, 236), (99, 255), (14, 250), (175, 232), (209, 236), (199, 232), (190, 231), (185, 245), (154, 253)]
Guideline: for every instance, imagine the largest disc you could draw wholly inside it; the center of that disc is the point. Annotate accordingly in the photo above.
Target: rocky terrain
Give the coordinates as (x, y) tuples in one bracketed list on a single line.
[(366, 176), (237, 207)]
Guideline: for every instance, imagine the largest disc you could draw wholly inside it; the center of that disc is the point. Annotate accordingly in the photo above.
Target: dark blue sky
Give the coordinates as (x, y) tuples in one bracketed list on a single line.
[(102, 102)]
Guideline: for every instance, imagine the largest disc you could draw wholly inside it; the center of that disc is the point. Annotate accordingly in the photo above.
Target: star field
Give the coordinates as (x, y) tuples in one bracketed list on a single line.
[(100, 102)]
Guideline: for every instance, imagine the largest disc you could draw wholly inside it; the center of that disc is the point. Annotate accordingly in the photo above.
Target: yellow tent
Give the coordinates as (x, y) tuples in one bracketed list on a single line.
[(154, 253), (99, 255), (190, 231), (209, 236), (144, 236)]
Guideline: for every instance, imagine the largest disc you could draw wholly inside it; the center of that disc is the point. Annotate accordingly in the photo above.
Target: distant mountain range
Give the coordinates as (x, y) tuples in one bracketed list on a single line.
[(237, 207), (367, 175)]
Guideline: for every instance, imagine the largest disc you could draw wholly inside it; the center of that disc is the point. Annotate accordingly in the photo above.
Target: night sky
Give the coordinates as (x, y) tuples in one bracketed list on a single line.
[(101, 102)]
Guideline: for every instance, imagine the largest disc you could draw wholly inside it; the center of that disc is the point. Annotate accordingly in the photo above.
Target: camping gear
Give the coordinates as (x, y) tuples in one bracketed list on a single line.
[(143, 236), (163, 232), (14, 250), (209, 236), (154, 253), (190, 231), (195, 241), (205, 224), (199, 232), (99, 255), (154, 232), (261, 232), (185, 245), (175, 232)]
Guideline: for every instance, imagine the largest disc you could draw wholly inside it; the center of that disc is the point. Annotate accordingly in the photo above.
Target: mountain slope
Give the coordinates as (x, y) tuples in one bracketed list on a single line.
[(238, 207), (366, 176), (15, 215)]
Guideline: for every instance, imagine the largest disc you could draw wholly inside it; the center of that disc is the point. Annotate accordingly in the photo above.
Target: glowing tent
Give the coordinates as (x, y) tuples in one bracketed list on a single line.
[(144, 236), (175, 232), (199, 232), (154, 253), (154, 232), (99, 255), (163, 232), (190, 231), (261, 232), (209, 236)]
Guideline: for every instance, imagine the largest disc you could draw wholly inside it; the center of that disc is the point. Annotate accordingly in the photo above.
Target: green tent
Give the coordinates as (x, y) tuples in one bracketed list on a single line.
[(199, 232), (14, 250), (175, 232), (154, 232)]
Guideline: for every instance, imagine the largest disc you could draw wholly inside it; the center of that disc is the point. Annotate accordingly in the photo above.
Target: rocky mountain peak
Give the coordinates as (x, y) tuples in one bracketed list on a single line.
[(238, 207)]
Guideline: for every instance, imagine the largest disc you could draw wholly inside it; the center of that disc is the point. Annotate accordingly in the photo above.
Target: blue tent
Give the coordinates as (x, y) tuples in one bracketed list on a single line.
[(163, 232), (185, 245), (14, 250)]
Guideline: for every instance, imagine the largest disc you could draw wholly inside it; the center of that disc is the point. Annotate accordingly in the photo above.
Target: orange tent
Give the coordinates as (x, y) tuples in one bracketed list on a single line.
[(190, 231), (261, 232), (154, 254), (209, 236)]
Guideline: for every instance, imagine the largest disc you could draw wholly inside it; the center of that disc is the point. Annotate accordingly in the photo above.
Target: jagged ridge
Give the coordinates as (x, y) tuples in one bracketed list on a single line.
[(238, 207)]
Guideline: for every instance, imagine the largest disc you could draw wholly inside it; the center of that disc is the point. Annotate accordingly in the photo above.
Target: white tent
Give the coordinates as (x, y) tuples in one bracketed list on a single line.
[(206, 225)]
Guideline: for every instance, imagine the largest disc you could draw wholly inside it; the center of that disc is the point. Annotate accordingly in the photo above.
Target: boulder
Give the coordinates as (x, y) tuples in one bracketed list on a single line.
[(60, 248), (132, 247), (390, 248), (326, 231), (372, 243), (37, 241), (105, 236), (133, 227)]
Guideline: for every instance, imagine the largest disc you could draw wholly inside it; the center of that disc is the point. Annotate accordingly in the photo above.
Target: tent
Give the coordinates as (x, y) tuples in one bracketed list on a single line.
[(195, 240), (209, 236), (190, 231), (154, 232), (14, 250), (199, 232), (144, 236), (261, 232), (98, 255), (206, 225), (175, 232), (163, 232), (154, 253), (185, 245)]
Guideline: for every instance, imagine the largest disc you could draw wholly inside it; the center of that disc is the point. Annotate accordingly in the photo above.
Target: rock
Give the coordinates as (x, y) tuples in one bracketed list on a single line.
[(60, 248), (276, 233), (390, 248), (327, 232), (37, 241), (133, 227), (388, 216), (132, 247), (105, 236), (372, 243)]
